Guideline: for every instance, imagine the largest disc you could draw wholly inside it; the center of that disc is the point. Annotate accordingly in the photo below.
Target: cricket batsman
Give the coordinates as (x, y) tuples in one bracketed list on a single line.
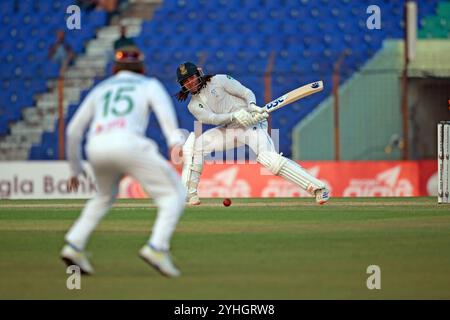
[(117, 112), (223, 101)]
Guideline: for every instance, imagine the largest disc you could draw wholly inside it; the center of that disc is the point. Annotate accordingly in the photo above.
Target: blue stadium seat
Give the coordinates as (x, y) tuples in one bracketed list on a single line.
[(235, 36), (27, 30), (7, 8), (36, 152), (25, 6)]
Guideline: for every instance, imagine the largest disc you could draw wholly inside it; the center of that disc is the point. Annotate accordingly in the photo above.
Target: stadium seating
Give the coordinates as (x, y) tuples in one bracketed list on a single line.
[(437, 26), (237, 37), (233, 36), (27, 29)]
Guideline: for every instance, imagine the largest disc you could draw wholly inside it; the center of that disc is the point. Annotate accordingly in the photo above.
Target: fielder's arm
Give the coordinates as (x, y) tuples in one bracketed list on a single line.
[(75, 130)]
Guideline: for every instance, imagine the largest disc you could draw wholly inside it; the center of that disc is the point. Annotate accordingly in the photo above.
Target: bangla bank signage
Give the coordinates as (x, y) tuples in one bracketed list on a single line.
[(48, 180)]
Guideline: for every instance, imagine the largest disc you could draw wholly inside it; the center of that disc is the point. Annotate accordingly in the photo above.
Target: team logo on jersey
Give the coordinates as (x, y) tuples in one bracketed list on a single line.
[(183, 69), (200, 105), (214, 92)]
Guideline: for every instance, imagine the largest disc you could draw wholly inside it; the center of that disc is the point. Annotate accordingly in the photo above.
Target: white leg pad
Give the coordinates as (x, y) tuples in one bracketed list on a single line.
[(188, 158), (192, 171), (289, 170), (194, 178)]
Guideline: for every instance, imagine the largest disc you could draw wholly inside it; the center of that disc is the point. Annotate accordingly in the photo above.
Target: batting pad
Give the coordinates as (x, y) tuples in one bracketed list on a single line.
[(289, 170), (190, 176), (188, 155)]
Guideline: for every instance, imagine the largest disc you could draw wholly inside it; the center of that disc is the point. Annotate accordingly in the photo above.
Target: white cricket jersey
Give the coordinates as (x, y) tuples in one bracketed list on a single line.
[(221, 96), (122, 102)]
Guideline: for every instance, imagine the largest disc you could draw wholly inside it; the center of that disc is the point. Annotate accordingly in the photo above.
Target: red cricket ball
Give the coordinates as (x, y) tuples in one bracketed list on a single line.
[(227, 202)]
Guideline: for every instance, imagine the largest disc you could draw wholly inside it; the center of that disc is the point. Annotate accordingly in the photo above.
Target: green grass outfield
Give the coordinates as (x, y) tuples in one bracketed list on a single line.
[(255, 249)]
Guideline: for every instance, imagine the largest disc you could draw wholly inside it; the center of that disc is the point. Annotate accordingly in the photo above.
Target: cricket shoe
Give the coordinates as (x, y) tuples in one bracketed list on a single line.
[(322, 195), (160, 260), (193, 200), (72, 256)]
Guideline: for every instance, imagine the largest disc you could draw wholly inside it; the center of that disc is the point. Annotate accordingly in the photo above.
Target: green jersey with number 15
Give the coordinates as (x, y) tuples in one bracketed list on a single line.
[(124, 102)]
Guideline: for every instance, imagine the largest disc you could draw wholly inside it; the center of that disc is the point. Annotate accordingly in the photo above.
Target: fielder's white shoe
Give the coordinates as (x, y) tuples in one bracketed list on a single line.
[(71, 257), (193, 200), (160, 260), (322, 195)]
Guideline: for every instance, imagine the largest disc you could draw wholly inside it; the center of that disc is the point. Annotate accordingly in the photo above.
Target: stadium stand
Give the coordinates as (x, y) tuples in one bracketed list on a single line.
[(437, 26), (374, 92), (234, 37), (27, 31), (238, 36)]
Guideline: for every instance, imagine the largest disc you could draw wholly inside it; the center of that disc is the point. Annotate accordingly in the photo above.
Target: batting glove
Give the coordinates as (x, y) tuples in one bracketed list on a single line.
[(242, 117), (258, 117), (252, 107), (261, 116)]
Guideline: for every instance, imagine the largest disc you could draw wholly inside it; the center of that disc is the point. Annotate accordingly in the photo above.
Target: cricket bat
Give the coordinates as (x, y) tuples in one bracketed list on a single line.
[(294, 95)]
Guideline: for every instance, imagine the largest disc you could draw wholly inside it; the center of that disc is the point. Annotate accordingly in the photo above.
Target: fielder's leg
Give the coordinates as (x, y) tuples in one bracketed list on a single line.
[(162, 183), (261, 143), (73, 252)]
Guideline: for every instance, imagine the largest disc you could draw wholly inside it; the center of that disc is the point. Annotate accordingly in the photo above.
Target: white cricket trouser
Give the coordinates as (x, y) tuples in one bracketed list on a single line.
[(222, 138), (257, 138), (113, 155), (225, 138)]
